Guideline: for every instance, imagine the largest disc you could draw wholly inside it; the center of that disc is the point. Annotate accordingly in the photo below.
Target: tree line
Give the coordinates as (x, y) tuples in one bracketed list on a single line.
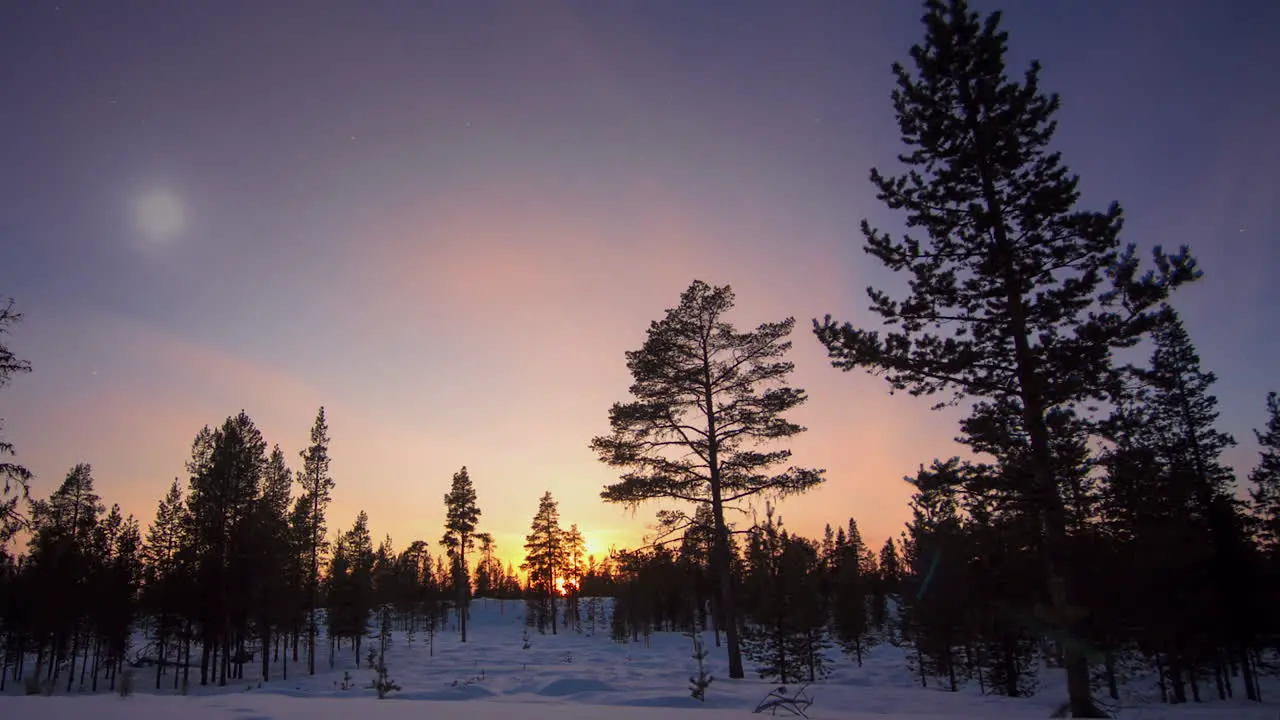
[(238, 569)]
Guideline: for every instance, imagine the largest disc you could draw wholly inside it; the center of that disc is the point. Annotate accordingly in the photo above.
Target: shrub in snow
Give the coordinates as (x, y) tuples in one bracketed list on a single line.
[(470, 681), (699, 683), (381, 683), (794, 703)]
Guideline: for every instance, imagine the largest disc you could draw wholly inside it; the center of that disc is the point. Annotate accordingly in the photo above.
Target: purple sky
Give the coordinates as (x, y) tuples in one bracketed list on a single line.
[(447, 221)]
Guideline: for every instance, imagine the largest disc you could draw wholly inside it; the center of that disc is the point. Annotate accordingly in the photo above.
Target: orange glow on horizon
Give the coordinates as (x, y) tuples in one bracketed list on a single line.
[(432, 393)]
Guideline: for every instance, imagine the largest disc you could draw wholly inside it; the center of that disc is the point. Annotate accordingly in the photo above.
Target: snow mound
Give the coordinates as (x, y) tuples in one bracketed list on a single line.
[(575, 686)]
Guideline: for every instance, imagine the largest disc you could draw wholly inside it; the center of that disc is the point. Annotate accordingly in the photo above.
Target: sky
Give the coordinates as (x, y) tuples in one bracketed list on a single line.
[(447, 223)]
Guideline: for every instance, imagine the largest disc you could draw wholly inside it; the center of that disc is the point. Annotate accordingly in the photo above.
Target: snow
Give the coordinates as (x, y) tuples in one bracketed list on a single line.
[(569, 676)]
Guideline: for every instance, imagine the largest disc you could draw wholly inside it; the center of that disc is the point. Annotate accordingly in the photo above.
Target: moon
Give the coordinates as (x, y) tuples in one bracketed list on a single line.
[(159, 215)]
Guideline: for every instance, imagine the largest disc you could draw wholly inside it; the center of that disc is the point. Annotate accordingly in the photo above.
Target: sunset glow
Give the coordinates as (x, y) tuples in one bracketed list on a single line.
[(448, 226), (563, 587)]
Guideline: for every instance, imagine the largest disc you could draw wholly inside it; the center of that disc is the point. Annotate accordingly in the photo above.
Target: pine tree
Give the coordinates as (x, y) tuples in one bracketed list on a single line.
[(382, 682), (15, 476), (544, 560), (299, 571), (853, 587), (420, 593), (706, 399), (575, 552), (701, 679), (317, 486), (163, 580), (122, 580), (385, 588), (787, 634), (1153, 548), (338, 595), (272, 549), (489, 569), (1007, 302), (890, 565), (934, 594), (1265, 494), (1177, 417), (61, 557), (349, 586), (888, 584), (461, 516), (226, 472), (1182, 416), (996, 627)]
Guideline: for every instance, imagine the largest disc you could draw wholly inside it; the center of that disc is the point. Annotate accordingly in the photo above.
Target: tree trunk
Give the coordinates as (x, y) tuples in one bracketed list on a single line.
[(1175, 680), (266, 652), (71, 660), (462, 586), (1250, 686), (1045, 490), (315, 578), (1163, 681), (225, 664), (1113, 690), (97, 653), (951, 668), (160, 656), (724, 570), (924, 680), (205, 652), (84, 662), (186, 665)]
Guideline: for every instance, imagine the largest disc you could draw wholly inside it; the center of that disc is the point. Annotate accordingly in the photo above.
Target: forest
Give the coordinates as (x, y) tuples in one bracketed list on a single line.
[(1096, 529)]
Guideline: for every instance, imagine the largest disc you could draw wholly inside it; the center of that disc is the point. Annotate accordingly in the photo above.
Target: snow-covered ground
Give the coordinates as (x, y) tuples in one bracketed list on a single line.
[(569, 676)]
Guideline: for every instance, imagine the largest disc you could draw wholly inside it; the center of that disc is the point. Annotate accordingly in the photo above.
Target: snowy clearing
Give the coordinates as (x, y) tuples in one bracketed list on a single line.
[(565, 677)]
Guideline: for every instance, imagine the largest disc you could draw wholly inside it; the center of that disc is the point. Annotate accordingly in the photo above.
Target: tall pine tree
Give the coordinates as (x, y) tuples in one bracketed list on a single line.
[(707, 400), (164, 577), (1008, 302), (461, 516), (316, 486), (544, 561), (1179, 423)]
